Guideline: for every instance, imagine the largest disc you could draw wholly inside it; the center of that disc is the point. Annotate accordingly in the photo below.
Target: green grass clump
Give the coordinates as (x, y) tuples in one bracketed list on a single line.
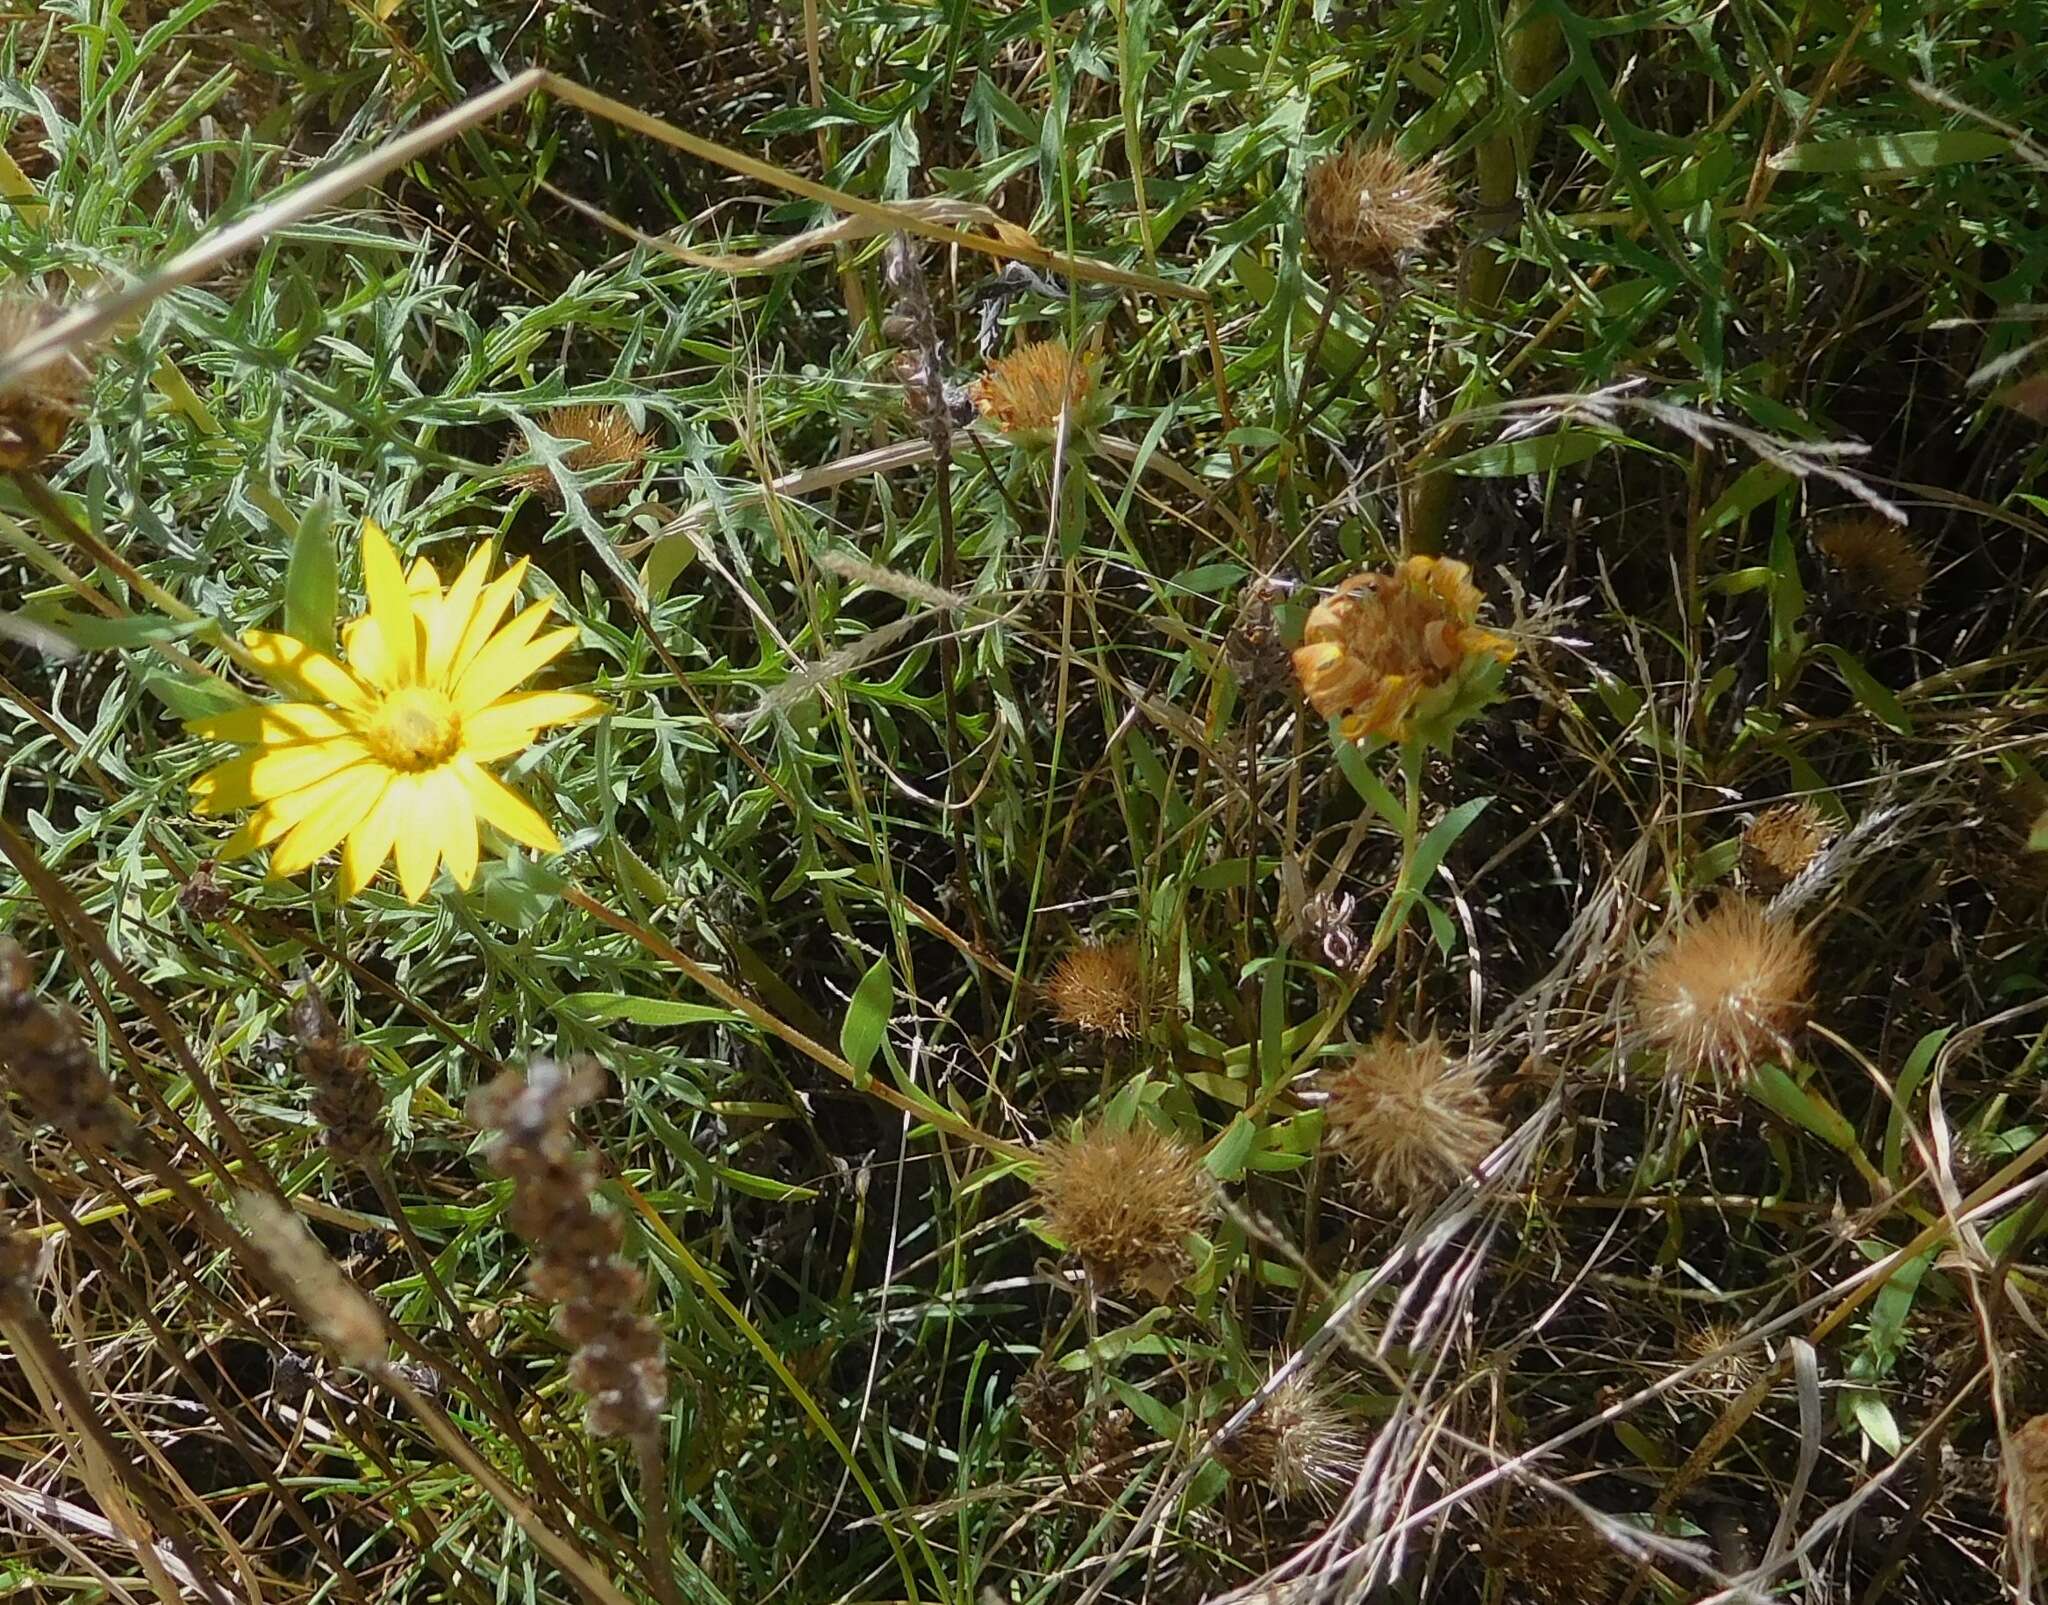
[(1288, 843)]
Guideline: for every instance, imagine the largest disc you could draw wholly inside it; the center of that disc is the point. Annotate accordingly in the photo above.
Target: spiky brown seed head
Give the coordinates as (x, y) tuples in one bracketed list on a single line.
[(1553, 1562), (1409, 1118), (1780, 842), (36, 408), (2027, 1478), (604, 439), (1099, 987), (1302, 1444), (1125, 1202), (1727, 990), (1881, 569), (1024, 393), (1726, 1369), (1367, 209)]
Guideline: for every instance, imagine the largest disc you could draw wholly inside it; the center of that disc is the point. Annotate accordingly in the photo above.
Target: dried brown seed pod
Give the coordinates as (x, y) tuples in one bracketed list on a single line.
[(1125, 1203), (1099, 987), (604, 438), (36, 408), (1780, 842), (1409, 1118), (1727, 989), (1367, 209), (1880, 567), (1302, 1443), (44, 1055)]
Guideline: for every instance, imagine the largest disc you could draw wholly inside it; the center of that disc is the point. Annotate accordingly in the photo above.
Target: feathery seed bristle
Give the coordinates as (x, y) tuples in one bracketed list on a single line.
[(1410, 1119), (1099, 987), (1367, 208), (1125, 1202), (36, 408), (1727, 989)]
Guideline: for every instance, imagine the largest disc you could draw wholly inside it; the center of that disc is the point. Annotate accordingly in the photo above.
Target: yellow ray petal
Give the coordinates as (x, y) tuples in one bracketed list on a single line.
[(390, 606), (423, 579), (451, 622), (419, 844), (270, 821), (369, 844), (291, 665), (511, 723), (447, 800), (363, 644), (271, 724), (271, 772), (491, 603), (504, 664), (497, 804), (346, 798)]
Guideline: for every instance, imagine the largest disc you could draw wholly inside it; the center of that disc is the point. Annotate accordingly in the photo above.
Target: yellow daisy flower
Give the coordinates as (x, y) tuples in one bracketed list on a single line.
[(388, 752)]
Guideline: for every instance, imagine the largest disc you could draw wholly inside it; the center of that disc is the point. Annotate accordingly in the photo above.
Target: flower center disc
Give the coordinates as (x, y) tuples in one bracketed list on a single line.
[(415, 729)]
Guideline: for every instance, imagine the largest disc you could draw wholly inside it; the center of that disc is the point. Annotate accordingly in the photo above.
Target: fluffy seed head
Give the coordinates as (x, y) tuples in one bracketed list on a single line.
[(604, 438), (1390, 654), (1553, 1562), (1302, 1444), (1780, 842), (36, 408), (1880, 567), (1722, 1375), (1727, 990), (1023, 394), (1367, 208), (1099, 987), (1410, 1119), (2027, 1478), (1125, 1202)]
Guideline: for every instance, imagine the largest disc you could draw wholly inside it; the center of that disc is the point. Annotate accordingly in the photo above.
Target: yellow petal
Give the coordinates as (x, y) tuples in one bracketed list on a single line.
[(346, 798), (291, 665), (363, 645), (369, 844), (451, 622), (271, 772), (271, 724), (448, 801), (390, 606), (510, 724), (419, 845), (268, 823), (491, 603), (505, 663), (423, 580), (497, 804)]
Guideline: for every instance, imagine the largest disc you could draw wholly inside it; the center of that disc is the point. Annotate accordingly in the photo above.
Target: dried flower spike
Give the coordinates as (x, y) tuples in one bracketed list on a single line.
[(1395, 655), (346, 1100), (1366, 209), (332, 1305), (1099, 987), (1410, 1119), (1302, 1444), (1880, 568), (1125, 1203), (43, 1052), (602, 437), (1727, 990), (36, 408), (619, 1364), (1025, 393), (1780, 842)]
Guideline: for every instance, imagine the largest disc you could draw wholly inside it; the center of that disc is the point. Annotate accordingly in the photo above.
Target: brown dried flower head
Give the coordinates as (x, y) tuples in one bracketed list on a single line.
[(1387, 655), (36, 408), (2027, 1474), (346, 1099), (1559, 1561), (44, 1057), (604, 439), (1880, 568), (1721, 1375), (1125, 1203), (1024, 393), (1410, 1119), (1302, 1444), (1368, 208), (1727, 989), (1099, 987), (1780, 842)]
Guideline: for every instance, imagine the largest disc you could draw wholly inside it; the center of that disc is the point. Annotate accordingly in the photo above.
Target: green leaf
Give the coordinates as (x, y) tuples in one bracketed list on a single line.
[(112, 635), (1892, 153), (1911, 1074), (190, 697), (1877, 701), (603, 1008), (1440, 838), (311, 579), (867, 1017), (1810, 1111), (1874, 1416), (1226, 1160), (1508, 458)]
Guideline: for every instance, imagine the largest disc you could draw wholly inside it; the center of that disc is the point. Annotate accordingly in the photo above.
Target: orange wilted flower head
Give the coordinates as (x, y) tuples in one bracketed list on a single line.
[(1025, 393), (1367, 208), (1393, 655), (1410, 1119), (1728, 989), (1099, 987), (1125, 1202)]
